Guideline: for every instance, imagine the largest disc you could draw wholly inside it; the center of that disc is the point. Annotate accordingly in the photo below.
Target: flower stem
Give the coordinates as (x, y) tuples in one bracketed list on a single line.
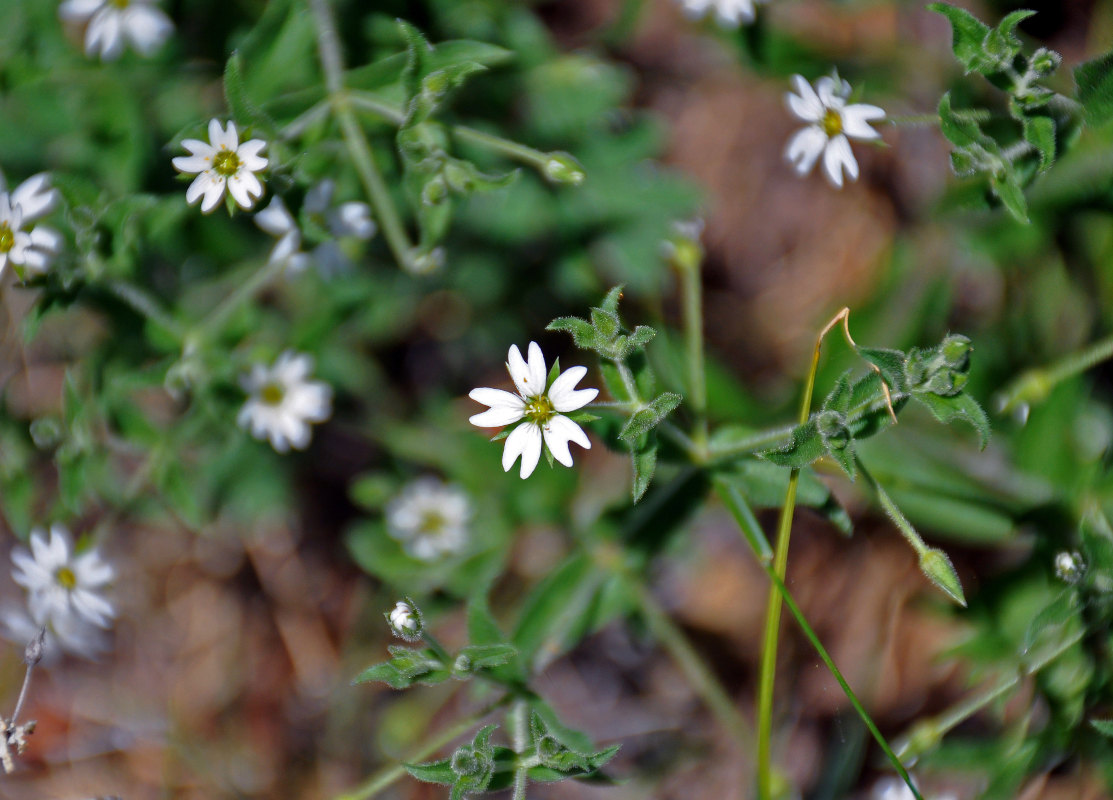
[(358, 147), (754, 536), (520, 723), (143, 304), (691, 290), (388, 775), (246, 290), (1035, 384), (773, 607), (367, 101)]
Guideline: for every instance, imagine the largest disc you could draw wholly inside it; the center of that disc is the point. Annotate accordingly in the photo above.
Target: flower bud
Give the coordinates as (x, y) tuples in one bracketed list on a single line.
[(936, 565), (426, 262), (832, 427), (471, 763), (563, 168), (33, 653), (1069, 566), (406, 621), (1044, 62), (46, 432)]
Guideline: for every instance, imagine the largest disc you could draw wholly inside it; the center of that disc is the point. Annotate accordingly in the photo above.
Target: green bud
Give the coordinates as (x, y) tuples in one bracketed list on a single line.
[(937, 566), (46, 432), (832, 427), (426, 262), (923, 739), (563, 168), (461, 667), (956, 350), (435, 191), (470, 763), (1044, 62), (1069, 566)]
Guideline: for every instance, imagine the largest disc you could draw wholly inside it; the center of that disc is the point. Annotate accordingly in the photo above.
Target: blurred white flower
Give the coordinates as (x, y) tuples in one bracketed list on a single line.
[(1069, 566), (29, 247), (276, 220), (728, 13), (540, 409), (405, 621), (221, 163), (351, 220), (831, 122), (282, 401), (63, 592), (72, 636), (112, 23), (893, 788), (429, 518)]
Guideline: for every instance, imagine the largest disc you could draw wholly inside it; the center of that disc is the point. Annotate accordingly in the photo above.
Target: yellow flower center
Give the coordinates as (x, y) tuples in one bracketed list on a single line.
[(832, 123), (7, 238), (120, 3), (272, 394), (539, 410), (66, 578), (226, 162), (432, 522)]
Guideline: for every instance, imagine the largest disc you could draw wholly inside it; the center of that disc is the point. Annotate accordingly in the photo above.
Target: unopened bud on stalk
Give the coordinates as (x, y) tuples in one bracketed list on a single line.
[(33, 653), (1069, 566), (563, 168), (406, 621), (936, 565)]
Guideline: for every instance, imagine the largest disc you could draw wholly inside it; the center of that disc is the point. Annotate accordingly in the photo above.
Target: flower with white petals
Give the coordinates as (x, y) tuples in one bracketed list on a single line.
[(222, 163), (539, 408), (110, 24), (831, 124), (405, 621), (429, 518), (351, 220), (728, 13), (63, 590), (282, 401), (29, 247)]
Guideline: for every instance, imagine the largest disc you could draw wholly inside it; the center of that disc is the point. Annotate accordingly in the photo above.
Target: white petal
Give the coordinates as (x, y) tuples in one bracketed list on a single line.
[(192, 164), (856, 120), (838, 157), (214, 191), (93, 607), (248, 154), (286, 249), (275, 219), (318, 198), (79, 10), (199, 186), (104, 35), (519, 371), (244, 188), (558, 432), (805, 103), (353, 219), (563, 394), (804, 148), (524, 441), (35, 197), (91, 571), (146, 27), (505, 408), (832, 93), (47, 239)]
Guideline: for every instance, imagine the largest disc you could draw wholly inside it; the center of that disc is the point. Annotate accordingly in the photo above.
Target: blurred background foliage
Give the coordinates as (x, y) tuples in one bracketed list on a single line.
[(123, 423)]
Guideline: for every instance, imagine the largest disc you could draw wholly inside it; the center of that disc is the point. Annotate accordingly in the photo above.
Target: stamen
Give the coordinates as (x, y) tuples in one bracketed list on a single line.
[(7, 238), (226, 163), (66, 578), (272, 394), (832, 123)]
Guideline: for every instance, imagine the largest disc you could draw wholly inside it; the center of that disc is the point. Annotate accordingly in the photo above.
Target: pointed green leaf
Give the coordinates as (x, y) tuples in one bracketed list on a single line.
[(967, 31), (583, 334), (1103, 726), (433, 772), (650, 417), (890, 363), (1040, 133), (1095, 88), (960, 406), (937, 566), (1006, 187), (643, 460), (806, 446), (610, 302)]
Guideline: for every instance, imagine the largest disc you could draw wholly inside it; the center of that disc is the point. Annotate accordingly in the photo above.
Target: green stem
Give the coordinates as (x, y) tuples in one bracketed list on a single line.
[(691, 291), (761, 440), (670, 636), (893, 512), (913, 120), (358, 148), (143, 304), (1035, 384), (520, 722), (256, 282), (388, 775), (519, 152), (773, 607), (754, 536)]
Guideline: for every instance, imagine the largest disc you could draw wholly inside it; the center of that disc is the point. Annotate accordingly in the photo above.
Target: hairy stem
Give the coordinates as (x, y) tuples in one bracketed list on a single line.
[(358, 147), (691, 290), (1035, 384)]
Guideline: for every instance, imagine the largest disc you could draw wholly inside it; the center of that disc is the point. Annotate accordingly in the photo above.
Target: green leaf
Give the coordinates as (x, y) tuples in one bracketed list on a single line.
[(605, 323), (487, 656), (1103, 726), (967, 31), (890, 363), (961, 128), (463, 177), (610, 302), (433, 772), (1095, 88), (1006, 186), (386, 673), (482, 627), (1051, 622), (650, 417), (806, 446), (643, 460), (1001, 44), (641, 336), (583, 334), (553, 603), (960, 406), (235, 92), (731, 493), (1040, 133)]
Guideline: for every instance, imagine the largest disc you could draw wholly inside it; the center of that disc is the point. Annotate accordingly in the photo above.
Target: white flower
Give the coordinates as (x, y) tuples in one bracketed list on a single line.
[(223, 163), (831, 122), (1069, 566), (63, 588), (111, 23), (348, 220), (540, 410), (728, 13), (429, 518), (72, 635), (29, 247), (405, 621), (896, 789), (276, 220), (282, 401)]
